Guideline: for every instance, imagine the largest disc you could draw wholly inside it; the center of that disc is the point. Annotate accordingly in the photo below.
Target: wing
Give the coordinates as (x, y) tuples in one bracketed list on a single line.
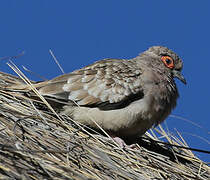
[(107, 84)]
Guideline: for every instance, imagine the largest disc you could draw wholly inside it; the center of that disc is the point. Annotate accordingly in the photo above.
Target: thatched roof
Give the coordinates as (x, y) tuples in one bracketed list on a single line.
[(36, 143)]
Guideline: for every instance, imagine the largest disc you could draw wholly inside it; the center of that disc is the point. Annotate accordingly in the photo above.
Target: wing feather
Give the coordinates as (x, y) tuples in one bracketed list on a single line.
[(106, 82)]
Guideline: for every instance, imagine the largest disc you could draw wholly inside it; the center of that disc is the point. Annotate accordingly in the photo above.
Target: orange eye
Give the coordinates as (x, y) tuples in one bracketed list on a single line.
[(168, 61)]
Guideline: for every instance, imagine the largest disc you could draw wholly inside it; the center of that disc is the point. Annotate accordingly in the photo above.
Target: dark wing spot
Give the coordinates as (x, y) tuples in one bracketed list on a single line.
[(106, 106)]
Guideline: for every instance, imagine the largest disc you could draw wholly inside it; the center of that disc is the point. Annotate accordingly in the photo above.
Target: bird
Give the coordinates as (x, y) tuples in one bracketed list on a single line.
[(125, 97)]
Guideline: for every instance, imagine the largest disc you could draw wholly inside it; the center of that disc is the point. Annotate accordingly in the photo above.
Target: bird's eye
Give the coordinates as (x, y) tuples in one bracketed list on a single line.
[(168, 61)]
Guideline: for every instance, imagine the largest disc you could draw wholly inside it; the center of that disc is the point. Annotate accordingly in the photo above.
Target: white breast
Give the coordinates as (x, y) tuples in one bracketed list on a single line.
[(135, 118)]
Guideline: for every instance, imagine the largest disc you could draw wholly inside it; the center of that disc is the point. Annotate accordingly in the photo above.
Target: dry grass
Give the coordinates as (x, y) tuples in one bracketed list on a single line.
[(38, 144)]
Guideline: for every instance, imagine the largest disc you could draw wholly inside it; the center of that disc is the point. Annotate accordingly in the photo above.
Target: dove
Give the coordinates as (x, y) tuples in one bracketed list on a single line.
[(125, 97)]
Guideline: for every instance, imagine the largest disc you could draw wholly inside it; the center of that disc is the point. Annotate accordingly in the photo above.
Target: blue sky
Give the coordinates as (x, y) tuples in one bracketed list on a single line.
[(81, 32)]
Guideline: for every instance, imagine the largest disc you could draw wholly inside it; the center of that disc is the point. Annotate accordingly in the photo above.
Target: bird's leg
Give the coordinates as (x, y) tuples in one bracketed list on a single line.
[(121, 142)]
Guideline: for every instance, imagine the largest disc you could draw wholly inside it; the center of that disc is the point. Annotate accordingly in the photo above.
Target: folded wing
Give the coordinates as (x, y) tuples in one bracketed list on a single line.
[(107, 84)]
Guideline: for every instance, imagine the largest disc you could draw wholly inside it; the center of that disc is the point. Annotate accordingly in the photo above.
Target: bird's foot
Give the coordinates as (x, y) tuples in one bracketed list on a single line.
[(122, 143)]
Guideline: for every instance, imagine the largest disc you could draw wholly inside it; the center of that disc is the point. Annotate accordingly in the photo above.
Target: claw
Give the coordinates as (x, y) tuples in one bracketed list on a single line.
[(122, 143)]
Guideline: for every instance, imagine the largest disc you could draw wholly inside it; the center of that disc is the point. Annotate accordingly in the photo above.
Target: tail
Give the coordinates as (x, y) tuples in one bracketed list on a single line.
[(14, 83), (7, 80)]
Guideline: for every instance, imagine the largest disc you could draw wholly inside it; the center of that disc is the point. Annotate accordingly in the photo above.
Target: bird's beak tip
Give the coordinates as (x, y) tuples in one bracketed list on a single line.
[(178, 75), (184, 81)]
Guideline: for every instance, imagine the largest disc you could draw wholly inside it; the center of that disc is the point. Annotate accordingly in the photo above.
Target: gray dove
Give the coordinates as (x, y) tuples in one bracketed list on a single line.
[(124, 97)]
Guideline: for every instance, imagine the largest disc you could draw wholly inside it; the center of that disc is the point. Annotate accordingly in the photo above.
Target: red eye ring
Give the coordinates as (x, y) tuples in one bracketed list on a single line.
[(168, 61)]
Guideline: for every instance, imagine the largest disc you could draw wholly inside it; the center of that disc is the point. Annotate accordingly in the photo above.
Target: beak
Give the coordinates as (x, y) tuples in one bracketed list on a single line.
[(178, 75)]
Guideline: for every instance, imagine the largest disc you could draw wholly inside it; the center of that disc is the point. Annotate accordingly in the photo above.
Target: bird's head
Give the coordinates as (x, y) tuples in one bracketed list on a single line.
[(165, 59)]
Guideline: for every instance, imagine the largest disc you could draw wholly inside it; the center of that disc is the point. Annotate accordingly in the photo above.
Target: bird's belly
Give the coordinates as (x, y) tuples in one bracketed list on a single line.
[(136, 118)]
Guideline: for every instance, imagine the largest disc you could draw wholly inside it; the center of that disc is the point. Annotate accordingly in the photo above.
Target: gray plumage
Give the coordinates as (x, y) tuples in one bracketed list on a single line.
[(124, 97)]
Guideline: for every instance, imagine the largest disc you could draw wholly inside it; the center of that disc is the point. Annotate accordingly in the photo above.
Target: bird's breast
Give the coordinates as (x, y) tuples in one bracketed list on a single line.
[(136, 118)]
